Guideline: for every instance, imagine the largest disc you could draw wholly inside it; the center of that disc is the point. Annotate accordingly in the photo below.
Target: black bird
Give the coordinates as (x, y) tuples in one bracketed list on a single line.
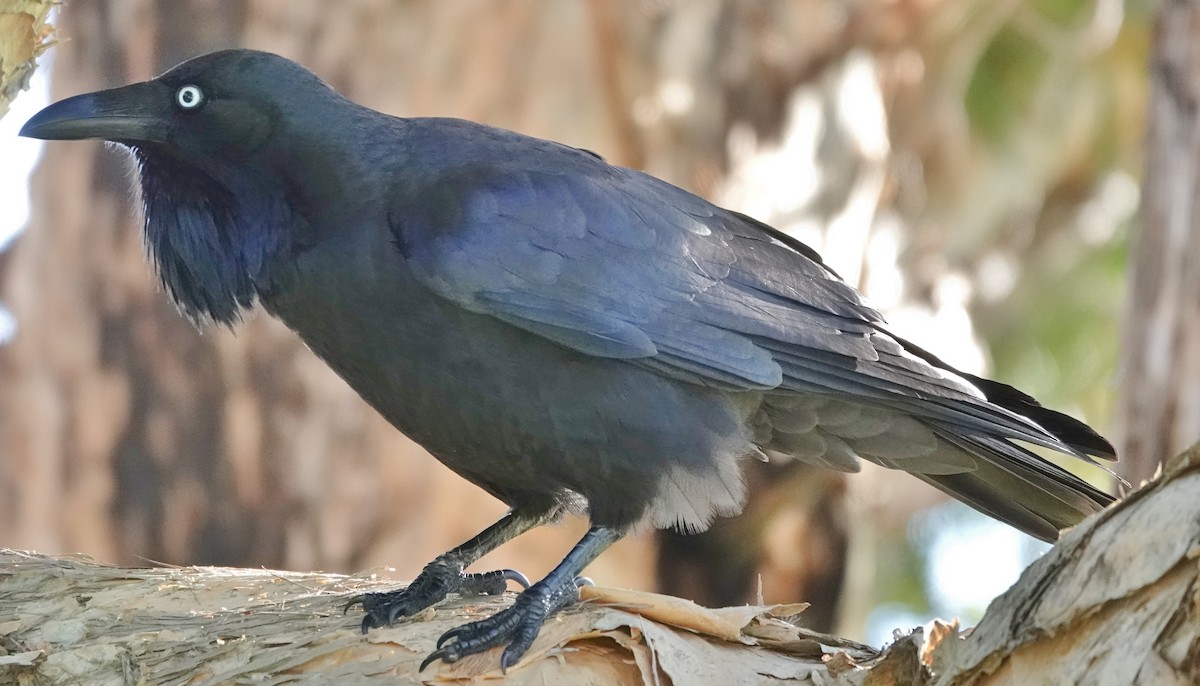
[(567, 334)]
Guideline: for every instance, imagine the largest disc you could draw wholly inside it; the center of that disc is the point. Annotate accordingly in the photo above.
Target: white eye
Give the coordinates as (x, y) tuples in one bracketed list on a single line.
[(189, 97)]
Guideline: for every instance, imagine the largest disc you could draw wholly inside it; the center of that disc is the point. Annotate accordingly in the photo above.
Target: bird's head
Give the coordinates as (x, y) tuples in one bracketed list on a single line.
[(224, 108), (232, 150)]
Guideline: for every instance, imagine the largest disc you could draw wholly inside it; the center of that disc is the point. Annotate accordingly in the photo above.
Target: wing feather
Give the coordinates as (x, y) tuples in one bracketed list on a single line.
[(615, 263)]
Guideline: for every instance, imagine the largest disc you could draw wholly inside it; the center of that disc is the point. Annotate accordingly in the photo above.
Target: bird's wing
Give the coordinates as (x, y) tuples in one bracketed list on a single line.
[(615, 263), (621, 265)]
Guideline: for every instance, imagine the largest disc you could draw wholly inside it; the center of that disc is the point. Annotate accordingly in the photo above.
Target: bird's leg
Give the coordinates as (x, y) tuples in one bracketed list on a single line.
[(445, 574), (517, 626)]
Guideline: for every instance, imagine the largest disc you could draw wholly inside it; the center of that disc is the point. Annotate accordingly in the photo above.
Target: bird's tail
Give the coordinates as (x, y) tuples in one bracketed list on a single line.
[(1012, 483), (1018, 487), (1070, 431), (972, 451)]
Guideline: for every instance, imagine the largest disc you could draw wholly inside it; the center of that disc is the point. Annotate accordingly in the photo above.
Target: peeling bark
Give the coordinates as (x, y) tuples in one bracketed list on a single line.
[(67, 619), (1117, 601)]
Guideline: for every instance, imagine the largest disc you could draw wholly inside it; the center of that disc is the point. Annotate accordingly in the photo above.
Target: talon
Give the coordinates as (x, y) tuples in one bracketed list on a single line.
[(394, 612), (368, 623), (517, 648), (453, 633), (581, 581), (514, 575), (507, 660), (360, 599), (436, 655)]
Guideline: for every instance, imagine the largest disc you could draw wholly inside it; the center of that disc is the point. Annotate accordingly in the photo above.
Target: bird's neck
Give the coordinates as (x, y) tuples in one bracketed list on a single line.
[(214, 241)]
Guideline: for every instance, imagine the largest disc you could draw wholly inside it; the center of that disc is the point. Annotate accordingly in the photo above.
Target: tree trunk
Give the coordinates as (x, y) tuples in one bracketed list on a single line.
[(1159, 405)]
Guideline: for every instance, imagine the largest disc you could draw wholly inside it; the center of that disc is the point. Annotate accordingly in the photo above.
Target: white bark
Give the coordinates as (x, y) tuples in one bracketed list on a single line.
[(1117, 601)]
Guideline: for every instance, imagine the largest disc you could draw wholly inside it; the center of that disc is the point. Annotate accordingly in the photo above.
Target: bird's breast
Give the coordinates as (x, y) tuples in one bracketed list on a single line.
[(506, 408)]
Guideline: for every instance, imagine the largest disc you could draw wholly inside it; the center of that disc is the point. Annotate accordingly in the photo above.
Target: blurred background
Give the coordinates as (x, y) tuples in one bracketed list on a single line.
[(974, 166)]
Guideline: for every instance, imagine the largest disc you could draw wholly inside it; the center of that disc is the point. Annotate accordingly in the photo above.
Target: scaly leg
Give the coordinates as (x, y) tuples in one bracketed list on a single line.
[(518, 625), (445, 574)]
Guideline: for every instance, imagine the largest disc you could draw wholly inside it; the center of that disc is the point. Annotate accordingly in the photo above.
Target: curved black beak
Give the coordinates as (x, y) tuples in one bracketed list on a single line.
[(137, 113)]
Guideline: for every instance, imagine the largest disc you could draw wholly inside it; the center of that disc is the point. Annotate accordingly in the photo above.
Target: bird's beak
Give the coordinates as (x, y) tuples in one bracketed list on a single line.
[(136, 113)]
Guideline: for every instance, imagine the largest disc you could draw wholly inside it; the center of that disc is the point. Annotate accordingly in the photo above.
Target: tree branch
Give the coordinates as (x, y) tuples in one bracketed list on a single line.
[(1116, 601)]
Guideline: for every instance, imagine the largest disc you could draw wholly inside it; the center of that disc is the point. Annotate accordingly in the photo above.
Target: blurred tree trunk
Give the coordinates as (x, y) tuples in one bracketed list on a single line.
[(1159, 411), (87, 374)]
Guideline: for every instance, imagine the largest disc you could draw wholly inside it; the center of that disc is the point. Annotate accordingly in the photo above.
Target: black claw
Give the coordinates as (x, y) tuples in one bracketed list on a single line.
[(515, 628), (453, 633), (581, 581), (434, 657), (514, 575), (394, 612), (519, 645), (508, 660), (434, 583), (359, 599)]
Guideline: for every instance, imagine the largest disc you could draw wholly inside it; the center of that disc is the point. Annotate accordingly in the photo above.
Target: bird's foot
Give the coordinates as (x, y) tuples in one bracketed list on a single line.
[(432, 585), (515, 627)]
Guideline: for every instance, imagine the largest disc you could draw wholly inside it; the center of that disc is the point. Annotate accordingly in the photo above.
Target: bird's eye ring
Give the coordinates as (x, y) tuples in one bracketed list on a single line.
[(189, 97)]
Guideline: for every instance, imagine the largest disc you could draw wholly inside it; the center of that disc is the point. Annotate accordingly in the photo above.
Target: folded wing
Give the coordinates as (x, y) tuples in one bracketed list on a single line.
[(614, 263)]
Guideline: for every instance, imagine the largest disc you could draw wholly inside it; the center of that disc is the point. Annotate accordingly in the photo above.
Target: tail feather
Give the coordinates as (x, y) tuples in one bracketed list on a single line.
[(977, 446), (1018, 487), (1069, 430)]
